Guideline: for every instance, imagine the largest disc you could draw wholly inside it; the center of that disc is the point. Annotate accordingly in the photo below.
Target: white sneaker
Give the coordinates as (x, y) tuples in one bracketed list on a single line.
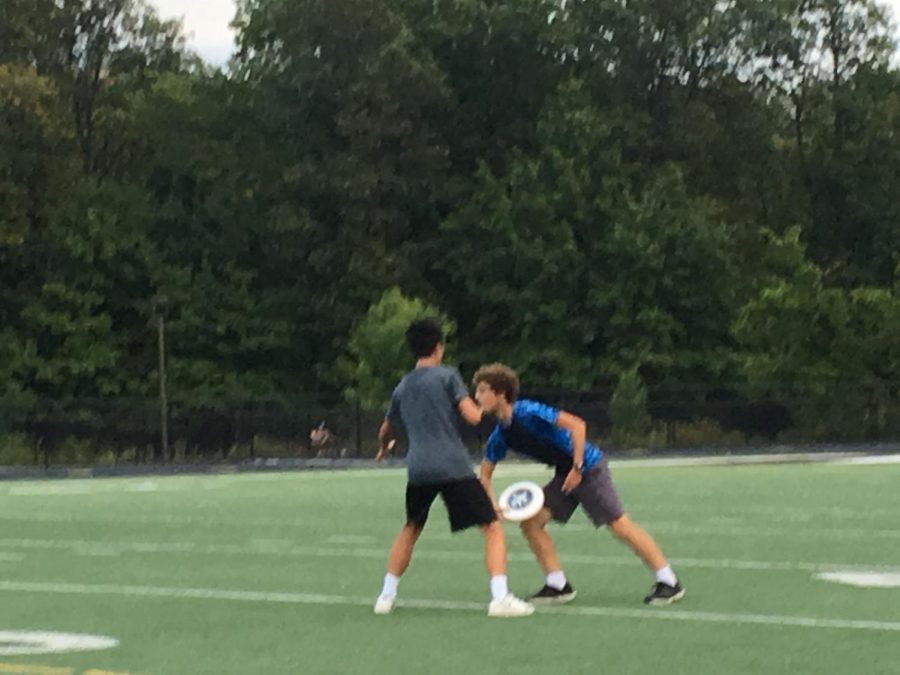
[(385, 604), (510, 605)]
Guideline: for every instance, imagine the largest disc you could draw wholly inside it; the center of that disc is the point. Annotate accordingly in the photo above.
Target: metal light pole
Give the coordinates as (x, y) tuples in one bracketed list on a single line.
[(160, 303)]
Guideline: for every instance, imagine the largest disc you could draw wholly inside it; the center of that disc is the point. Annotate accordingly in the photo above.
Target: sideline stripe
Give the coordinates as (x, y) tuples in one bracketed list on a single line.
[(718, 526), (673, 527), (450, 605), (111, 484), (286, 548)]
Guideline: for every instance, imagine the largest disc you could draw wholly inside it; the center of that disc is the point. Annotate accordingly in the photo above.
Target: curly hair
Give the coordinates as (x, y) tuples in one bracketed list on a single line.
[(502, 379)]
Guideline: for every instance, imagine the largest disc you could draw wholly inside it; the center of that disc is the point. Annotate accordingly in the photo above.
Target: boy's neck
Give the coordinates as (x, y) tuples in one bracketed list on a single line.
[(504, 412), (428, 362)]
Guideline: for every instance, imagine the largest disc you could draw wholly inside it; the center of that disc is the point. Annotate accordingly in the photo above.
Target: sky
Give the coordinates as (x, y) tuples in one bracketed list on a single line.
[(206, 23)]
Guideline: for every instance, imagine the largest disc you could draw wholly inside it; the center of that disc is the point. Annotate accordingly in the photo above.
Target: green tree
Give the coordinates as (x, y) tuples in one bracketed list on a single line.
[(80, 305), (579, 268), (35, 161), (628, 408), (832, 352), (350, 168), (378, 354), (828, 61)]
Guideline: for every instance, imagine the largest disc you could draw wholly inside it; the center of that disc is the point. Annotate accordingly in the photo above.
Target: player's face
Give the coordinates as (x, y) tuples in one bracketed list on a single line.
[(486, 397)]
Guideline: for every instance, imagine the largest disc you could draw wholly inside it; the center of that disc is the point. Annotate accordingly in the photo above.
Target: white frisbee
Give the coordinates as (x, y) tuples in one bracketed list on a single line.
[(521, 501)]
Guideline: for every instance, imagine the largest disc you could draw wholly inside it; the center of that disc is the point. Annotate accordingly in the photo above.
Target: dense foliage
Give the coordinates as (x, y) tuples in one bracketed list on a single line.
[(665, 191)]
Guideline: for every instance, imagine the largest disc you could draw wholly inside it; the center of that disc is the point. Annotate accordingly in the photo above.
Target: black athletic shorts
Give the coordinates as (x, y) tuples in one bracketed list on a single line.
[(466, 500)]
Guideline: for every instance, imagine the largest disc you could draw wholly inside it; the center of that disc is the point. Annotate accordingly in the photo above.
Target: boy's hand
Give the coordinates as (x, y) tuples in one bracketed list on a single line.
[(384, 451), (573, 480)]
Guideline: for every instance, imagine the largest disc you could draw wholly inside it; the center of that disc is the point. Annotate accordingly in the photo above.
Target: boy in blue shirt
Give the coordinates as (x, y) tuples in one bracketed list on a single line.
[(582, 477)]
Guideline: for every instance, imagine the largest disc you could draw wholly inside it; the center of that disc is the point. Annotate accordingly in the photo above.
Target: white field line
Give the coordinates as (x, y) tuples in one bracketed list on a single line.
[(58, 588), (713, 530), (284, 548), (351, 539), (79, 487), (22, 642), (82, 486), (46, 517), (869, 460), (867, 579), (775, 515), (844, 458)]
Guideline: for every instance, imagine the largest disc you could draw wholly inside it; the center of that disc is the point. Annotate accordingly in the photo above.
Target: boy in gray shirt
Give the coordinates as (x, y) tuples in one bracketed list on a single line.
[(429, 404)]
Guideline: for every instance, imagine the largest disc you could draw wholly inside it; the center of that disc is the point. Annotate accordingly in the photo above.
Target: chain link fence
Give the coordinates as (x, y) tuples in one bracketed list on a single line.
[(670, 419)]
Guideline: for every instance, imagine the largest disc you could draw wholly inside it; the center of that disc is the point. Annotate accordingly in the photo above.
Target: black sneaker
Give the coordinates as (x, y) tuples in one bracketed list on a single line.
[(663, 594), (553, 596)]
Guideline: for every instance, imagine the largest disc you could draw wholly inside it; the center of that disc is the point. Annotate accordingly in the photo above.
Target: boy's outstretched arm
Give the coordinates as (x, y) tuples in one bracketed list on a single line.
[(577, 431), (385, 440), (471, 412), (486, 473)]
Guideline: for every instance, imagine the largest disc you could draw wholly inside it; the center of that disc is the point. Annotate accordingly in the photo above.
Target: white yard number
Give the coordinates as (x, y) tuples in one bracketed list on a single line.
[(19, 642)]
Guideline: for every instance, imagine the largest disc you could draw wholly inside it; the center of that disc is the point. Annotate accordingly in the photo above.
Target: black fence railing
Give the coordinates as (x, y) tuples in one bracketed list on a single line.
[(714, 416), (112, 431), (90, 431)]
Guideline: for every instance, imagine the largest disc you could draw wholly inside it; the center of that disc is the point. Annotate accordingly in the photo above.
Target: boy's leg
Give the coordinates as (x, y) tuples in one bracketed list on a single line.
[(468, 505), (599, 499), (666, 590), (494, 548), (418, 503), (402, 548), (540, 543), (398, 560), (503, 603), (495, 559), (559, 506), (636, 538)]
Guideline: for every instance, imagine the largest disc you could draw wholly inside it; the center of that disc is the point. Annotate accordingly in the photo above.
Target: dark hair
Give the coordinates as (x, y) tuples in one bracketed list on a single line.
[(502, 379), (423, 336)]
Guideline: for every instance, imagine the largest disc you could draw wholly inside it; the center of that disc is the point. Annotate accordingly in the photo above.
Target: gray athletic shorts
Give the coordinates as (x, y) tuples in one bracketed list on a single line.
[(595, 494)]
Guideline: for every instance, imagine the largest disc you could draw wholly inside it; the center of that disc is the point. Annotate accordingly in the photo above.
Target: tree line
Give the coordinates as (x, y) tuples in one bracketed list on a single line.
[(649, 193)]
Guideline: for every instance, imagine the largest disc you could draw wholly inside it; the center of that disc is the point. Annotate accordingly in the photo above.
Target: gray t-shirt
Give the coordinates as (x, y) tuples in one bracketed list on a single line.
[(424, 404)]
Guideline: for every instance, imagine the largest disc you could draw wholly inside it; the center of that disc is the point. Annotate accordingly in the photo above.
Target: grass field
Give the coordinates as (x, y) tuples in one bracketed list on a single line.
[(276, 573)]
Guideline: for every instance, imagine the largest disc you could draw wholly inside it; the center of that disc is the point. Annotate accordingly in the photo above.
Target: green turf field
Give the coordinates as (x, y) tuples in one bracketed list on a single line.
[(276, 573)]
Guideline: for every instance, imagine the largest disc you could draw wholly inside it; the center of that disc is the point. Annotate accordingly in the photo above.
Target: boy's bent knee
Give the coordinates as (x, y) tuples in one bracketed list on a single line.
[(493, 526), (412, 529), (621, 526), (535, 524)]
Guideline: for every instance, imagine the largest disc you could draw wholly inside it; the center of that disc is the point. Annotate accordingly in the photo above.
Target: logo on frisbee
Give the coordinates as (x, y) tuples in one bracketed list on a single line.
[(520, 499)]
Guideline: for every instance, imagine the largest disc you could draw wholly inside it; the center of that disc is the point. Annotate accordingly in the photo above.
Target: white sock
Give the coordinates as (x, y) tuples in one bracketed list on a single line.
[(666, 575), (556, 580), (389, 590), (499, 587)]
